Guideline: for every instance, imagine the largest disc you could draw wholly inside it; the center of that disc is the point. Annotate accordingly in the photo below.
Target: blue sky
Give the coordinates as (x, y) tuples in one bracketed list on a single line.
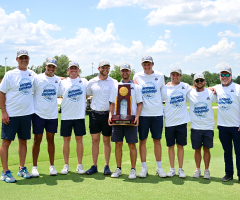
[(193, 35)]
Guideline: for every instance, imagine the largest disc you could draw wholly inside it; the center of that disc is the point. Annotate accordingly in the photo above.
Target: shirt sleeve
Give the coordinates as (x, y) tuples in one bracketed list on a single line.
[(163, 89), (113, 94), (89, 90), (138, 94), (5, 84)]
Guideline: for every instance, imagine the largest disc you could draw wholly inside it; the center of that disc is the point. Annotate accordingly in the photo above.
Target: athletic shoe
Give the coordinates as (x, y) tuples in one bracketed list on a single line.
[(227, 177), (80, 169), (143, 173), (24, 173), (7, 177), (107, 170), (92, 170), (52, 170), (207, 174), (35, 171), (181, 173), (133, 174), (160, 172), (197, 173), (171, 173), (116, 173), (65, 169)]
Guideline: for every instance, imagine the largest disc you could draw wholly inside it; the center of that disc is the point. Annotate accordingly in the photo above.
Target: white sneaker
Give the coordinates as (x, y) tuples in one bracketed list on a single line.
[(197, 173), (171, 173), (207, 174), (143, 173), (35, 171), (52, 170), (65, 169), (160, 172), (133, 174), (181, 173), (80, 169), (116, 173)]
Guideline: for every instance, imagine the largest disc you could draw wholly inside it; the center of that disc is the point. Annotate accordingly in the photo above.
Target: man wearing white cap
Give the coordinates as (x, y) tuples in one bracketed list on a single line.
[(202, 123), (16, 104), (151, 116), (121, 131), (100, 88), (228, 95), (73, 90), (46, 113), (176, 118)]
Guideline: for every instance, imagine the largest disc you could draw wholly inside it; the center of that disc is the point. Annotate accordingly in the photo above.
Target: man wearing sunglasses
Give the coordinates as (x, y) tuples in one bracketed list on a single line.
[(228, 95), (16, 103), (176, 118), (202, 123)]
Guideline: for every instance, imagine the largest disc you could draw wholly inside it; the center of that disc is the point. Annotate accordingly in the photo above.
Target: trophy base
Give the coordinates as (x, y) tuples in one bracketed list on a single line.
[(129, 121)]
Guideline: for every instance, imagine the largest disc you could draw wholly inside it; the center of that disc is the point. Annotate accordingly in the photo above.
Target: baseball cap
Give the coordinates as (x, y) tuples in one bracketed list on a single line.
[(51, 61), (226, 69), (176, 69), (147, 59), (73, 63), (125, 66), (103, 62), (198, 75), (22, 52)]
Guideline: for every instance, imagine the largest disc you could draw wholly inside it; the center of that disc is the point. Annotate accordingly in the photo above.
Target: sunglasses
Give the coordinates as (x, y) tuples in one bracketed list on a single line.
[(227, 75), (199, 80), (23, 58)]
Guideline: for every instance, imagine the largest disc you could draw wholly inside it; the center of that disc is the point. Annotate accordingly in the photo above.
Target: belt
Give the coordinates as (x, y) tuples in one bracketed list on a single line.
[(101, 112)]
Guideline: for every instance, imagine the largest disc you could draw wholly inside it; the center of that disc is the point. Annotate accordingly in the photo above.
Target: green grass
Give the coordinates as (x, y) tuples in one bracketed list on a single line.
[(98, 186)]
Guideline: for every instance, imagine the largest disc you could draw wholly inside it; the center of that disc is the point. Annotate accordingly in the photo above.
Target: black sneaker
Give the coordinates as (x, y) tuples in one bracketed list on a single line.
[(227, 177), (107, 170), (92, 170)]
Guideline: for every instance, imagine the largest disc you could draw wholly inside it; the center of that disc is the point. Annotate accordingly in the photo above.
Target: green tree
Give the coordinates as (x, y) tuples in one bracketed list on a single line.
[(2, 70), (187, 79), (91, 76), (237, 80), (167, 79), (115, 73), (215, 78), (208, 77)]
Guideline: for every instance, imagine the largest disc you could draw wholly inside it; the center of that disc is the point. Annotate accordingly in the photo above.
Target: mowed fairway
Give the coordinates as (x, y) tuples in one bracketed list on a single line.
[(98, 186)]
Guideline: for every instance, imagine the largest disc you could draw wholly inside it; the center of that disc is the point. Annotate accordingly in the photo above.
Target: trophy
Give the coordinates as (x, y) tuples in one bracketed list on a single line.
[(123, 113)]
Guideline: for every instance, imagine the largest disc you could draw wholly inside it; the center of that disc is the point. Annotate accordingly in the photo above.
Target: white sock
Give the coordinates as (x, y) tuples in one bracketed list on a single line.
[(159, 164), (179, 168), (144, 164)]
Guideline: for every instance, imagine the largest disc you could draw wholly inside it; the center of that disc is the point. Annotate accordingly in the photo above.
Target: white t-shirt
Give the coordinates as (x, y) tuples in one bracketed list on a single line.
[(201, 112), (135, 93), (74, 98), (45, 96), (18, 86), (228, 105), (100, 90), (151, 85), (175, 111)]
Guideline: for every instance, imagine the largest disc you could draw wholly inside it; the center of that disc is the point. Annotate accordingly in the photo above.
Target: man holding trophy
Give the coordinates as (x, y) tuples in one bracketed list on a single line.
[(126, 100)]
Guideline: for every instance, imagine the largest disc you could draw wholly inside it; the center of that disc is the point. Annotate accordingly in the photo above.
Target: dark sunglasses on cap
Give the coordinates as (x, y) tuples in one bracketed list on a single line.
[(199, 80), (227, 75)]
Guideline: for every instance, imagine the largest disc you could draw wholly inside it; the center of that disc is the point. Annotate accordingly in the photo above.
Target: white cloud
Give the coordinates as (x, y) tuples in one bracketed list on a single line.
[(235, 55), (28, 12), (228, 34), (167, 34), (222, 48), (180, 12), (222, 64), (160, 46), (160, 37)]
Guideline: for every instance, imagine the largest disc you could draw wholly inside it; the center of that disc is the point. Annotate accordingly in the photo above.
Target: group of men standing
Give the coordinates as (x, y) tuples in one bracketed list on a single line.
[(148, 91)]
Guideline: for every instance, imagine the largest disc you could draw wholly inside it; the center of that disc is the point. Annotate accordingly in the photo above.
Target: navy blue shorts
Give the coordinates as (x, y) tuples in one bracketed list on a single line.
[(176, 134), (99, 123), (202, 138), (154, 123), (39, 124), (78, 125), (20, 125), (130, 133)]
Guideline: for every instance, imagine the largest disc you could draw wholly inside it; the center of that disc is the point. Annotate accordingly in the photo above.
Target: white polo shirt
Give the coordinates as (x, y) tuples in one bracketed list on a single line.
[(201, 112), (18, 87), (100, 90), (175, 111), (228, 105), (45, 96), (151, 86), (74, 98), (135, 93)]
